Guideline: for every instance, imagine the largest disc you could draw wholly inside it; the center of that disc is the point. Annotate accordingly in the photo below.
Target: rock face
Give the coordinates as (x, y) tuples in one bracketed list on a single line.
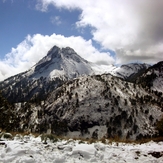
[(57, 66)]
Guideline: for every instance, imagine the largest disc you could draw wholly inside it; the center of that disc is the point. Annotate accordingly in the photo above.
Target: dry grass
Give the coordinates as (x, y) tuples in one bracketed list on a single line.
[(90, 140), (141, 141)]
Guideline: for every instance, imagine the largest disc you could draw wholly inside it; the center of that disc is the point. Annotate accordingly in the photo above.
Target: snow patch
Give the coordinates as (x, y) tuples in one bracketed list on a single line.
[(68, 151)]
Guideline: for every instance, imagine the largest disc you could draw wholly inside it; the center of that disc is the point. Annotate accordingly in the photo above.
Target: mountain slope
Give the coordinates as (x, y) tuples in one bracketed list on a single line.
[(153, 77), (58, 66), (130, 71), (8, 118), (95, 106)]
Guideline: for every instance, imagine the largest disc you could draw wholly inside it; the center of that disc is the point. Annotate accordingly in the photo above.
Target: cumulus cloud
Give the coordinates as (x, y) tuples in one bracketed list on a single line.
[(33, 48), (131, 28)]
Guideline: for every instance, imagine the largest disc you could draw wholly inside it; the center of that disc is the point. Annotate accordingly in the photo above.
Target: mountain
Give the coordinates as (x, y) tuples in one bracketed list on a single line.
[(103, 106), (57, 66), (94, 107), (130, 71), (66, 95), (63, 62), (153, 77)]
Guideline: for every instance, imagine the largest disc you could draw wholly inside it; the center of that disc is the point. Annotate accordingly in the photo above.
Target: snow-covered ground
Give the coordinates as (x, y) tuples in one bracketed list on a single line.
[(33, 150)]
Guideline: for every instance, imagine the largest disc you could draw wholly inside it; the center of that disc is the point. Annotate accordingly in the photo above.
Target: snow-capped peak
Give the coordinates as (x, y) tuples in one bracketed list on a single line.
[(62, 62), (128, 70), (59, 65)]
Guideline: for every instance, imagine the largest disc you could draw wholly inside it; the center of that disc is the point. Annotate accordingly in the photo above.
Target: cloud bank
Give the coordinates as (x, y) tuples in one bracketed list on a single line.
[(133, 29), (33, 48)]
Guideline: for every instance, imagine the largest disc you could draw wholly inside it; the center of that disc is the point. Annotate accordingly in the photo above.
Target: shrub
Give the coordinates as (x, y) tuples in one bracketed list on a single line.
[(91, 141), (81, 142), (159, 126), (135, 128), (125, 102), (52, 137), (7, 136), (103, 140), (151, 118), (146, 111), (1, 134)]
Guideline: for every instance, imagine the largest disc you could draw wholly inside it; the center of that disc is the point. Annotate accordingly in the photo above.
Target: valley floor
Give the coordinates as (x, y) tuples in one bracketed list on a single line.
[(32, 150)]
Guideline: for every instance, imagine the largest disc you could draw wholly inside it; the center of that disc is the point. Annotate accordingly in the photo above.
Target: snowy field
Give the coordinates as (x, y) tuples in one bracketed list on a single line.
[(32, 150)]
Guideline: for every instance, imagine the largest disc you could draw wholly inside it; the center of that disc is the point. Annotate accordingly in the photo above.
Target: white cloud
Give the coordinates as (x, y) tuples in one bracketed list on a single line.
[(132, 26), (33, 48), (56, 20), (6, 1)]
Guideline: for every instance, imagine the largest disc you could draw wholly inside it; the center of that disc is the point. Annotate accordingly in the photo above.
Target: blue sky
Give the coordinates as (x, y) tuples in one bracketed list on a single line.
[(109, 32), (18, 18)]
